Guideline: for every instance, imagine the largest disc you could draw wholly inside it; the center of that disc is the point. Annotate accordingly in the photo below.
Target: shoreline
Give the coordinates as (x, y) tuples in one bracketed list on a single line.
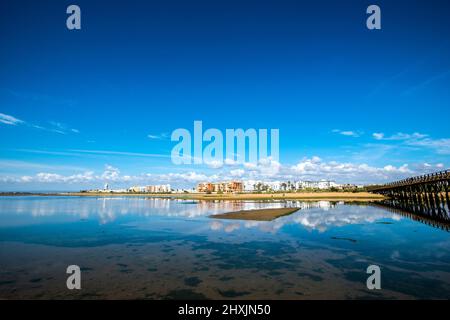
[(307, 196)]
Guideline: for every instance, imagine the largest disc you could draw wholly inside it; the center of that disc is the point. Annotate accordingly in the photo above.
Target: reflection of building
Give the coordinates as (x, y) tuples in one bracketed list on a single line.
[(227, 187)]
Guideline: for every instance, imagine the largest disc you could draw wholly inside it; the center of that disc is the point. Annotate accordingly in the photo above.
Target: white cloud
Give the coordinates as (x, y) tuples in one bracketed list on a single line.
[(18, 165), (111, 173), (26, 178), (265, 169), (316, 168), (313, 168), (10, 120), (347, 133), (45, 177), (402, 169), (378, 135), (416, 139), (441, 146), (237, 173), (215, 164), (399, 136), (230, 162), (430, 167), (59, 127), (160, 136), (268, 167), (190, 177), (56, 127), (120, 153)]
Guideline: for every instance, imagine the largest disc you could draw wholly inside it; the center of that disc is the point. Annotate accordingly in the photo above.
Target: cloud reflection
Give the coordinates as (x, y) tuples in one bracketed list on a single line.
[(318, 215)]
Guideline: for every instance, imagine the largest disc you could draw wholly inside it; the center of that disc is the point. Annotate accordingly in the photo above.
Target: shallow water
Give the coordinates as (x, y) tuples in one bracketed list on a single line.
[(147, 248)]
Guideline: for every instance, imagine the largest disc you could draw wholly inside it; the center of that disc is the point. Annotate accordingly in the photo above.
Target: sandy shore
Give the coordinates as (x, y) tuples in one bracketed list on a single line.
[(256, 215), (289, 196), (347, 196)]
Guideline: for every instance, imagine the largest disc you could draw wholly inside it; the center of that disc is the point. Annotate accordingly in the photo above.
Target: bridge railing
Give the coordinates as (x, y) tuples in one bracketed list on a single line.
[(431, 177)]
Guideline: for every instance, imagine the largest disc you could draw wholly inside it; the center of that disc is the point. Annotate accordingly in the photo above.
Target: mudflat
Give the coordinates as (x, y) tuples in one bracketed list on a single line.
[(256, 215)]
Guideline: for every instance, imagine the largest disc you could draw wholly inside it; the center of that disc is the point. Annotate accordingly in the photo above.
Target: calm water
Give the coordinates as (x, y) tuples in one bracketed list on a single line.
[(147, 248)]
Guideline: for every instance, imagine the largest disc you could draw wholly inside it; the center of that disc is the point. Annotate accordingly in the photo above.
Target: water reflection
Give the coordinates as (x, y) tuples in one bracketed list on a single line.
[(108, 209), (313, 216), (160, 248), (437, 217)]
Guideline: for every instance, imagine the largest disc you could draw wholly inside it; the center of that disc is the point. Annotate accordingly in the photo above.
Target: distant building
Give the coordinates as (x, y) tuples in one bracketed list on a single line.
[(226, 187), (205, 187), (164, 188), (280, 186), (249, 186), (349, 187), (184, 190), (136, 189), (321, 184)]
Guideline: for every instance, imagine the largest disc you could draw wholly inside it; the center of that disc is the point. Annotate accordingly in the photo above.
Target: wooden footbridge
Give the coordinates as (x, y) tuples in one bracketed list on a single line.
[(426, 193)]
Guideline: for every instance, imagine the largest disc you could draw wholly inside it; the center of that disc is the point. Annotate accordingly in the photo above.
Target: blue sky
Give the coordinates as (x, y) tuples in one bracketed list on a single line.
[(80, 108)]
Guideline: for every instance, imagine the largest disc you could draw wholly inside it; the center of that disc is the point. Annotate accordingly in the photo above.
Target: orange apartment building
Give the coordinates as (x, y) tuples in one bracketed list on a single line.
[(226, 187)]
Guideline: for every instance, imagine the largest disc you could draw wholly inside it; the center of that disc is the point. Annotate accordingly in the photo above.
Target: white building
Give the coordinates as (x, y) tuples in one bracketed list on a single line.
[(249, 186), (280, 186), (163, 188), (321, 184), (184, 190)]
